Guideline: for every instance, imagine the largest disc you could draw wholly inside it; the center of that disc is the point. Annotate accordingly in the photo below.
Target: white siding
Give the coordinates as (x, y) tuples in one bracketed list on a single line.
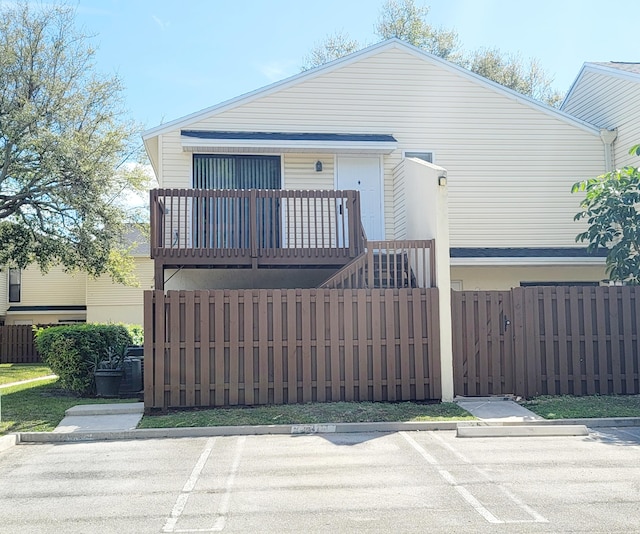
[(608, 101), (108, 302), (510, 165), (103, 291), (4, 290), (300, 171), (399, 199), (56, 288)]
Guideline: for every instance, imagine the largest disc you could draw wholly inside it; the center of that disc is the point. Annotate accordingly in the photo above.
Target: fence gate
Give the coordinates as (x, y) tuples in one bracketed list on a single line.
[(483, 345), (547, 341)]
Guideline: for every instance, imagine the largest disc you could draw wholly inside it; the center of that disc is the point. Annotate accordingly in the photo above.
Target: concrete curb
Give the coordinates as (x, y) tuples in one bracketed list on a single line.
[(545, 427), (175, 433), (8, 441), (601, 422), (513, 431), (257, 430)]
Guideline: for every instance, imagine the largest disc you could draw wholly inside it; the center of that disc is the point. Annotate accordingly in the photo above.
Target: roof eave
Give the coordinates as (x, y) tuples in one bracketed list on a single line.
[(351, 58), (526, 261), (191, 144), (592, 67)]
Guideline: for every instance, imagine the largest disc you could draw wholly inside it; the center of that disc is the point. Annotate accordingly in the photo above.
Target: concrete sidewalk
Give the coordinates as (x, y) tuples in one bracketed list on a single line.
[(497, 409), (101, 417)]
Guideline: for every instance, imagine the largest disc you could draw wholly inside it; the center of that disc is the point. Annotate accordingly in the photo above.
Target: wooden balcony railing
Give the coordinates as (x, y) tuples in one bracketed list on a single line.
[(388, 264), (255, 227)]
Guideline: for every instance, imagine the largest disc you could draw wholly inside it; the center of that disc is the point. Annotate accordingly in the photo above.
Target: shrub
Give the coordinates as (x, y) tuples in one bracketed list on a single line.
[(136, 332), (74, 351)]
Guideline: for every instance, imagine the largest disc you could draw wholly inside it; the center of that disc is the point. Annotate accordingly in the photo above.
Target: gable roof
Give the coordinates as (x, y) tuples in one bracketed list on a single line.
[(187, 120), (621, 65), (617, 69)]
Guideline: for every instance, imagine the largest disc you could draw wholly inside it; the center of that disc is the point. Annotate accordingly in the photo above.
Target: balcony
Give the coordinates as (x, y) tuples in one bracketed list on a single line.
[(254, 228)]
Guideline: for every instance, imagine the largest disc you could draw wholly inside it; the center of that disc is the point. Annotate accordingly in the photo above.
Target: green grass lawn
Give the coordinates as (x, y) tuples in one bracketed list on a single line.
[(38, 406), (16, 372), (331, 412), (567, 407)]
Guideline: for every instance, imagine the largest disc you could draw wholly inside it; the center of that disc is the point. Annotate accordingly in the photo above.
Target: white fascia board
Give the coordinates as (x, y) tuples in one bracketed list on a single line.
[(514, 95), (352, 58), (190, 144), (524, 262), (612, 71), (573, 86), (270, 89), (599, 69)]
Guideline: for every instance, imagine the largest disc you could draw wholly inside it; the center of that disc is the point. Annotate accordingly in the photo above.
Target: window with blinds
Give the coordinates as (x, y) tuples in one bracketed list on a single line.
[(214, 171), (226, 220)]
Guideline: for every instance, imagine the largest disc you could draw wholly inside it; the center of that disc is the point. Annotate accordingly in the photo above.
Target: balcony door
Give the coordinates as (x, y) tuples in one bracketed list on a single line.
[(226, 218), (364, 174)]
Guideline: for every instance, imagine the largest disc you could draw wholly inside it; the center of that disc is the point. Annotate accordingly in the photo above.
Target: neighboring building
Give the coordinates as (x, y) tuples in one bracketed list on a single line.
[(354, 124), (30, 297), (607, 95)]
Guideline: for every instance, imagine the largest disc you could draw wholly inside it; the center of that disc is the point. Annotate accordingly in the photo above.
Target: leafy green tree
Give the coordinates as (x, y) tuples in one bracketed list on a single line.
[(405, 20), (611, 208), (63, 140)]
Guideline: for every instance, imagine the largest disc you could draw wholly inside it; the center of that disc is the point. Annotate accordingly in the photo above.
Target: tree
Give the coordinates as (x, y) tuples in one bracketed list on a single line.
[(63, 140), (404, 20), (510, 71), (334, 46), (611, 208)]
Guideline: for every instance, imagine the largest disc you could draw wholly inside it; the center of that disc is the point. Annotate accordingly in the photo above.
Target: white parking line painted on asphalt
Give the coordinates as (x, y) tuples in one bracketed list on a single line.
[(182, 499), (537, 518), (223, 509), (466, 494)]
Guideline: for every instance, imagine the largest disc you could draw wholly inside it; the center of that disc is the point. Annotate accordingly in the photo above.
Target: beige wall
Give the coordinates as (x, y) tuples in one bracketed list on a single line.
[(506, 277), (510, 164), (108, 302), (4, 290), (55, 288), (300, 171)]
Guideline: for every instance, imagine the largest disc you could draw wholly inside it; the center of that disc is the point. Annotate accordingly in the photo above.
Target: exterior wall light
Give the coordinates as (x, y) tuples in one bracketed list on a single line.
[(442, 180), (318, 166)]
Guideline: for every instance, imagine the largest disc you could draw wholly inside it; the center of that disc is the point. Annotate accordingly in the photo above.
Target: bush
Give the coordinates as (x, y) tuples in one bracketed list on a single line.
[(74, 351), (136, 332)]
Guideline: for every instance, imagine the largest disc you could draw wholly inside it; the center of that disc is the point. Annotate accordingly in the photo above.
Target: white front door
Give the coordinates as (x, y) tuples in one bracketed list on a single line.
[(363, 173)]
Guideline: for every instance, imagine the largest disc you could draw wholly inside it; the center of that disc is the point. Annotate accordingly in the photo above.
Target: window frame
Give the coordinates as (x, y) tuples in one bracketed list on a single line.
[(13, 285), (418, 155)]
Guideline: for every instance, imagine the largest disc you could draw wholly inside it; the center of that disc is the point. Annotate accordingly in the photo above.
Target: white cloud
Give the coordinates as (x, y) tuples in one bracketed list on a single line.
[(161, 23)]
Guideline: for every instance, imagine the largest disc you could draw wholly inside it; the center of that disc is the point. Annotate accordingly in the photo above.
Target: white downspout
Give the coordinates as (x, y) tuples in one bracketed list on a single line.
[(608, 137)]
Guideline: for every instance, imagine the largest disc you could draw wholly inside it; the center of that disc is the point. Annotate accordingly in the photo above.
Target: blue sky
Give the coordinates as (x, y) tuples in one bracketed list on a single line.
[(177, 57)]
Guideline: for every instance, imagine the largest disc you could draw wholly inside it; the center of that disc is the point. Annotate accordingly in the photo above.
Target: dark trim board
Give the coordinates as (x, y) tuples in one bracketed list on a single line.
[(525, 252), (46, 308), (288, 136)]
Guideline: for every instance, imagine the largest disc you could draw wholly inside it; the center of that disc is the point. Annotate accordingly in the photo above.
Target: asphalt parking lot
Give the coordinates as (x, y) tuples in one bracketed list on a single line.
[(367, 482)]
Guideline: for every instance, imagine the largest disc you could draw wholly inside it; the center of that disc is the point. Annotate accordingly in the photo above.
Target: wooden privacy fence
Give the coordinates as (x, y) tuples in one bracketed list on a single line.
[(248, 347), (17, 344), (547, 341)]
